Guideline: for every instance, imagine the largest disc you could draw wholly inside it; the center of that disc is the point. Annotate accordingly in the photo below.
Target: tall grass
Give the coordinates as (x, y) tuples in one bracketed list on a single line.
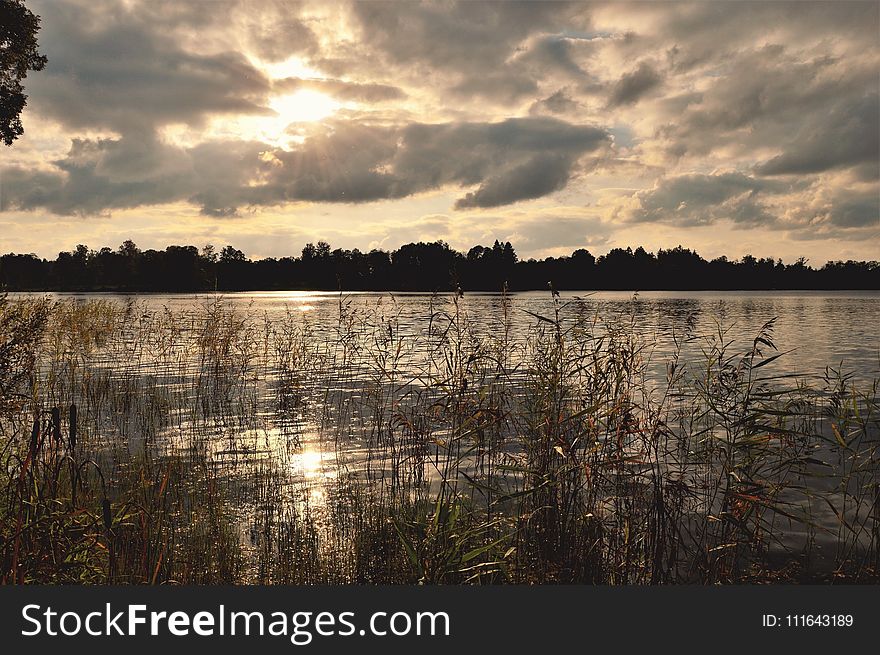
[(218, 445)]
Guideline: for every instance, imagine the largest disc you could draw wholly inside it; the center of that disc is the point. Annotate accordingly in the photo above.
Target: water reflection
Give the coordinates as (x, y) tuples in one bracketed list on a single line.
[(322, 383), (821, 329)]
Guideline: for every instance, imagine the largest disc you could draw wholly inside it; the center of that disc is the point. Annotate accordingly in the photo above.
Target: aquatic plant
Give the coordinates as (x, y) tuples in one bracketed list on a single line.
[(218, 445)]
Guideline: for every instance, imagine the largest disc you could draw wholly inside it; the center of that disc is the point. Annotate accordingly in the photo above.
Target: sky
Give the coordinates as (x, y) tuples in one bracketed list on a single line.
[(725, 127)]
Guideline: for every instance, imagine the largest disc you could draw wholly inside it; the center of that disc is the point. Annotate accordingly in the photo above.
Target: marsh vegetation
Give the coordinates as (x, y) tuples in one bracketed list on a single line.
[(221, 445)]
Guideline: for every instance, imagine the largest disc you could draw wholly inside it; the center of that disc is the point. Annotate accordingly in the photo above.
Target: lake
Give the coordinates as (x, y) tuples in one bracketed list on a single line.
[(298, 402), (816, 329)]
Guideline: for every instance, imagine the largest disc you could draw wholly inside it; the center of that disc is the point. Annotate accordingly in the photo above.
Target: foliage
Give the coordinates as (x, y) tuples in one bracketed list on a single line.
[(18, 55), (174, 447), (416, 267)]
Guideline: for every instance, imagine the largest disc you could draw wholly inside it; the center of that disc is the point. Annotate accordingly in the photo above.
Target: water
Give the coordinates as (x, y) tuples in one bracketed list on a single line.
[(296, 385), (815, 329)]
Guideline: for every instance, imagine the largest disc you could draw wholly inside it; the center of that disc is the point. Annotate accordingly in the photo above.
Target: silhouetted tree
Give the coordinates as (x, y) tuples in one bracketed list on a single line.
[(425, 266), (230, 254), (379, 269), (581, 268), (18, 55), (417, 267)]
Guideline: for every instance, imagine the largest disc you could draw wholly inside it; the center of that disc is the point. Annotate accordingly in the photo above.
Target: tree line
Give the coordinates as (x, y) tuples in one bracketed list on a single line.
[(419, 266)]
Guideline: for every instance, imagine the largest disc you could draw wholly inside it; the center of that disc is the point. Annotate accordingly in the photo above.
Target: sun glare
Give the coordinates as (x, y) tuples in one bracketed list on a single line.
[(293, 67), (314, 463), (303, 106)]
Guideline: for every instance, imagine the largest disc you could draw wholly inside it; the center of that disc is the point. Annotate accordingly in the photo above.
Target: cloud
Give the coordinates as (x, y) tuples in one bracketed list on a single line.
[(765, 118), (348, 162), (546, 233), (100, 175), (856, 212), (696, 199), (515, 159), (698, 36), (276, 32), (534, 178), (833, 207), (343, 90), (634, 85), (497, 51), (559, 102), (836, 205), (356, 163), (501, 86), (555, 53), (769, 99), (849, 134), (458, 36), (111, 69)]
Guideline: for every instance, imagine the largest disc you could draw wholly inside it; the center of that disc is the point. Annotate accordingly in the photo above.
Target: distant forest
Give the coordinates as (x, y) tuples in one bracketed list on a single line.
[(415, 267)]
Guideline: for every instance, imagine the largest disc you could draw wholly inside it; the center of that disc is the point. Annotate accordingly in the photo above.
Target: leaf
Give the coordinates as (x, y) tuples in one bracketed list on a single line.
[(838, 515), (540, 318), (476, 552), (767, 361), (407, 545), (838, 437)]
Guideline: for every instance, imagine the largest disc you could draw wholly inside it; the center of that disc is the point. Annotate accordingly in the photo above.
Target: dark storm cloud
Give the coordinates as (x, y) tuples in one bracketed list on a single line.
[(511, 160), (632, 86), (112, 69)]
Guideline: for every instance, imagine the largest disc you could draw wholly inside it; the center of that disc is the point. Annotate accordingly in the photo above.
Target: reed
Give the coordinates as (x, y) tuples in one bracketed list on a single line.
[(217, 445)]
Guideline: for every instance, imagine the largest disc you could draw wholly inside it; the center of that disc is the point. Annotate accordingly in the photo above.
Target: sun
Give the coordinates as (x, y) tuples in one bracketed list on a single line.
[(279, 128), (303, 106), (288, 114)]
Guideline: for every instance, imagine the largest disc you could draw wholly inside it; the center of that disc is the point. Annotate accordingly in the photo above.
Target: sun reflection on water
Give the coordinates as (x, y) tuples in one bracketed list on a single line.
[(314, 464)]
